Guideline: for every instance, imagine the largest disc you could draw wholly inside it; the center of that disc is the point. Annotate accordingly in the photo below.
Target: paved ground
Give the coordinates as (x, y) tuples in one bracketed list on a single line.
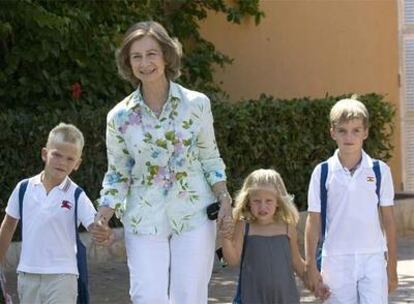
[(109, 281)]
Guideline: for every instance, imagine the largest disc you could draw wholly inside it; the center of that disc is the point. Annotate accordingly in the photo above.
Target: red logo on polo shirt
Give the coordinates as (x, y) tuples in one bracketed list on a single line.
[(66, 204), (370, 179)]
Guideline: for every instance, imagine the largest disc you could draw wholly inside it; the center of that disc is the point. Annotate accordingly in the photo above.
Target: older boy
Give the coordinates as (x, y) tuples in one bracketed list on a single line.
[(47, 271), (354, 265)]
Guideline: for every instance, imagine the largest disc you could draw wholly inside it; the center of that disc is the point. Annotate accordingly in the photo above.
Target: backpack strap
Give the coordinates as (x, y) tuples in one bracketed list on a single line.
[(324, 204), (324, 198), (81, 258), (78, 192), (377, 171), (22, 191)]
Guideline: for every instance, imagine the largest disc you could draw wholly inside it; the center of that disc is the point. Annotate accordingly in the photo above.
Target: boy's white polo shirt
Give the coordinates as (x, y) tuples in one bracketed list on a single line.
[(352, 223), (49, 238)]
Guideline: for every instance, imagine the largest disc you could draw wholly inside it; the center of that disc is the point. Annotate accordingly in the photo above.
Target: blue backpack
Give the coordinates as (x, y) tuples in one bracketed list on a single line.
[(324, 201), (83, 293)]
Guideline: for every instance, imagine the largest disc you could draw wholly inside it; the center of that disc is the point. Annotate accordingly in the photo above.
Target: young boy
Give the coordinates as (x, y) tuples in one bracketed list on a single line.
[(47, 271), (354, 265)]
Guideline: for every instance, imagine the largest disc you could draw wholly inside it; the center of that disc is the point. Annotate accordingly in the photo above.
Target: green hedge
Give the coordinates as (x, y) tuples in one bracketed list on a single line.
[(291, 136)]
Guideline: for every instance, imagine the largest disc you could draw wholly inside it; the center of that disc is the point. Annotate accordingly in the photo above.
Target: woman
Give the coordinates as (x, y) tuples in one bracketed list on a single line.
[(164, 169)]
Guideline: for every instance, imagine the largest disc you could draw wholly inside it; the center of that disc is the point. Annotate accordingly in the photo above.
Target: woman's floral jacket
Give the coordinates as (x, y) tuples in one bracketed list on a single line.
[(160, 170)]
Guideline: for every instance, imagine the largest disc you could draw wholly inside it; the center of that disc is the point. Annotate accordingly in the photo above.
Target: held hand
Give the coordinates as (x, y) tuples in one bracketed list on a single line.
[(313, 278), (225, 211), (101, 233), (322, 291), (226, 228)]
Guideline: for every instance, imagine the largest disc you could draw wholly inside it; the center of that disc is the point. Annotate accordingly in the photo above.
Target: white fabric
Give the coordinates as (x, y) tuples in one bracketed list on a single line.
[(49, 239), (47, 288), (352, 223), (189, 257), (356, 279)]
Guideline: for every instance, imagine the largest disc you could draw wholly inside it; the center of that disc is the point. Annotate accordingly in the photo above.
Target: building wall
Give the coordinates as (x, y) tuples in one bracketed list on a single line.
[(313, 48)]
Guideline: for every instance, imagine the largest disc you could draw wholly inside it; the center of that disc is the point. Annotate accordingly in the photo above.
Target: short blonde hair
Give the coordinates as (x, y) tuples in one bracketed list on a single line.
[(286, 211), (348, 109), (171, 49), (66, 133)]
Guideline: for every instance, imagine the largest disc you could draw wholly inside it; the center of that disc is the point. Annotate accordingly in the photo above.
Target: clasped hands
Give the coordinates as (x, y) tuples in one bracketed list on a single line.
[(101, 232), (313, 281), (226, 227)]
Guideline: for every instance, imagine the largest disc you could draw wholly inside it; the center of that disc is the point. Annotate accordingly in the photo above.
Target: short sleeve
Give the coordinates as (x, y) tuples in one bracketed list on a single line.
[(12, 208), (387, 186), (86, 210), (314, 195)]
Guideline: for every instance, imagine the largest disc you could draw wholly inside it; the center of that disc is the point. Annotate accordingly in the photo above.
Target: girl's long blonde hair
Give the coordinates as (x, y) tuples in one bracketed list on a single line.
[(286, 211)]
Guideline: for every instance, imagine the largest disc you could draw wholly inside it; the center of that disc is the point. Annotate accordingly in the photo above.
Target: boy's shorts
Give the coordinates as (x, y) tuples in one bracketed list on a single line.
[(33, 288), (359, 278)]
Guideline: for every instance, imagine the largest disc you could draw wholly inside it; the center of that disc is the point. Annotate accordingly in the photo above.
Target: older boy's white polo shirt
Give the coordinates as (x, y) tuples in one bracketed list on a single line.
[(352, 223), (49, 239)]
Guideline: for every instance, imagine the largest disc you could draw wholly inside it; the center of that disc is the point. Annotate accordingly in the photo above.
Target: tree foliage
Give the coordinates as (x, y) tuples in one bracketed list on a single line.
[(54, 52)]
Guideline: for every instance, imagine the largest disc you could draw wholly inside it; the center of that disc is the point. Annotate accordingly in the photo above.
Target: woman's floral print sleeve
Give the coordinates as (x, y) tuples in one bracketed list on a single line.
[(213, 166), (117, 178)]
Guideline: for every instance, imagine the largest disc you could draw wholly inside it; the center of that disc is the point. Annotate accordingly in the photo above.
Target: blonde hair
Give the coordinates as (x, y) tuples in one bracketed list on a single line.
[(286, 211), (348, 109), (171, 50), (66, 133)]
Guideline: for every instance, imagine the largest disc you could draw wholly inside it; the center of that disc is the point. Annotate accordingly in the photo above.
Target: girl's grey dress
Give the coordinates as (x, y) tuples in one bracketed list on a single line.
[(266, 274)]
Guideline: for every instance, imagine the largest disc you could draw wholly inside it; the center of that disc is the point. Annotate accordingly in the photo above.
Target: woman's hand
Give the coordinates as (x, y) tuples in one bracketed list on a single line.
[(104, 215), (224, 198), (226, 229), (101, 233), (225, 208)]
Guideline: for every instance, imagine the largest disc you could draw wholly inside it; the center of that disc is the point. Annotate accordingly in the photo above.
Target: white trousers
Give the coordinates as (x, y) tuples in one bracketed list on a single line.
[(171, 269), (356, 279)]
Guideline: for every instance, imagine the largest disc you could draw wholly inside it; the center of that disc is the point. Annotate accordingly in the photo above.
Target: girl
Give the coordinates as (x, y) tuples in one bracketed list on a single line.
[(264, 239)]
